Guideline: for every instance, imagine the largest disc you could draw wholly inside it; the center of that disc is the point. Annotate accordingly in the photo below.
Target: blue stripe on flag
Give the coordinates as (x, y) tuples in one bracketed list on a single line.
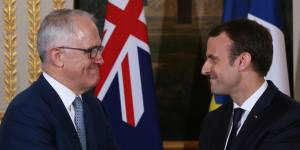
[(268, 10), (235, 9)]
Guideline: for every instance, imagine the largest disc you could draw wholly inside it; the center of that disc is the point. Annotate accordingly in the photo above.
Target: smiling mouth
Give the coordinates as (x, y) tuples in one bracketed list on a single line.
[(212, 77), (95, 66)]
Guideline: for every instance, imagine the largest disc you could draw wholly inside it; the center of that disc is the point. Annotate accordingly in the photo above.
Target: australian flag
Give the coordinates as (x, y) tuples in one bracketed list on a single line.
[(126, 86)]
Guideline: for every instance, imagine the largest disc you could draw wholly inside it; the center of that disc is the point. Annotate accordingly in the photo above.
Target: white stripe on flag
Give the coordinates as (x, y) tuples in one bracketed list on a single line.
[(278, 72)]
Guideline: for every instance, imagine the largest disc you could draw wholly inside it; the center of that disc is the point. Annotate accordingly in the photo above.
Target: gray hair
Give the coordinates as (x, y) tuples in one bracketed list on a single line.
[(57, 28)]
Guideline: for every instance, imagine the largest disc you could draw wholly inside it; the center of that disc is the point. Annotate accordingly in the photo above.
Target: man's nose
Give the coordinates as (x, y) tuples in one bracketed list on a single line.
[(206, 68), (99, 59)]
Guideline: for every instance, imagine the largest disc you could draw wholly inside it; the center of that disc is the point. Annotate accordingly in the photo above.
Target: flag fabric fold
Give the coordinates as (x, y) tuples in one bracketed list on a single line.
[(126, 86), (268, 14)]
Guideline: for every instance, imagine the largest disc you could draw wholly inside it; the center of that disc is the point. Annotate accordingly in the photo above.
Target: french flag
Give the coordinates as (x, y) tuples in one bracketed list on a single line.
[(268, 14)]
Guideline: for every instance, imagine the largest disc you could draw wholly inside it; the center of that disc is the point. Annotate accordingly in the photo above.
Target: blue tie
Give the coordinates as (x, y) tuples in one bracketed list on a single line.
[(237, 114), (79, 121)]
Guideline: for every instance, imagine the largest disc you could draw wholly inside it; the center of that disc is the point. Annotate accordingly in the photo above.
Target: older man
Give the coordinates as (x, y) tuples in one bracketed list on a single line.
[(56, 112)]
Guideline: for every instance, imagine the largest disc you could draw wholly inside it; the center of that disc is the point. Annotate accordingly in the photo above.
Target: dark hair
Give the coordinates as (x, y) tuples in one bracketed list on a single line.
[(248, 36)]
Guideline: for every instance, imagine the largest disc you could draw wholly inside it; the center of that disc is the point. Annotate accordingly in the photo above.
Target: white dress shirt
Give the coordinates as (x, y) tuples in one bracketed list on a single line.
[(247, 106), (65, 94)]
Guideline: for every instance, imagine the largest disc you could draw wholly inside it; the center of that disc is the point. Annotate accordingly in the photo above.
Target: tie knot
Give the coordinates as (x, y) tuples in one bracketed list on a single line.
[(77, 102)]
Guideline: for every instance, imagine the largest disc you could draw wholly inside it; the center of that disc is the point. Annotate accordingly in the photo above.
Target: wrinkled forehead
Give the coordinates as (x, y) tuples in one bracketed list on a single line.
[(84, 26)]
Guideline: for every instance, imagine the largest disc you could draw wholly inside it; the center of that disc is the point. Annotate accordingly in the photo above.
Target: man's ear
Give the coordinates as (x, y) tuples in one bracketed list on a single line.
[(55, 57), (244, 61)]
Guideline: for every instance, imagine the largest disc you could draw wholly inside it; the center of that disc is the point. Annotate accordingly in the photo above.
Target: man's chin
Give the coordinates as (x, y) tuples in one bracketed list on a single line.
[(217, 91), (93, 82), (96, 81)]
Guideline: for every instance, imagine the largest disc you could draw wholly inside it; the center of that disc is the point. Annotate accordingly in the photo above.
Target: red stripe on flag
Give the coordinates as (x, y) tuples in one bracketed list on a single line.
[(127, 92), (126, 23)]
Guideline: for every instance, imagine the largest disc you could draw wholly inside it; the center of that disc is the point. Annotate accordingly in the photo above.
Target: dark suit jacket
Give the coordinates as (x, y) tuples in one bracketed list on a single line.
[(37, 120), (272, 124)]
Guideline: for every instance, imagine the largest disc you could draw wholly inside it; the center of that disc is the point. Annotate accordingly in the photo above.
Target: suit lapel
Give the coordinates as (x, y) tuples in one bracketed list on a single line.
[(89, 125), (255, 116), (59, 111)]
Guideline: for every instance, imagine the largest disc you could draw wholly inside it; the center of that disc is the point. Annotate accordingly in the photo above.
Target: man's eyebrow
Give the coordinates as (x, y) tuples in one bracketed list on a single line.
[(210, 56)]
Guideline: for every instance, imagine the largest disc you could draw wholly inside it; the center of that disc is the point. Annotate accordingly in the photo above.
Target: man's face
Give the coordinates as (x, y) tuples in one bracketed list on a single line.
[(223, 76), (80, 71)]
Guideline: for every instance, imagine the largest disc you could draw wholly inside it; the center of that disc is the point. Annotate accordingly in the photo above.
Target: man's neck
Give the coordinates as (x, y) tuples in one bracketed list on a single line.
[(246, 90), (60, 78)]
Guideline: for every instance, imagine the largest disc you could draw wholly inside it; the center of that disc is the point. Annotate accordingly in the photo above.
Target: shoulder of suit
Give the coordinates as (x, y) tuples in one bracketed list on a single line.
[(286, 101)]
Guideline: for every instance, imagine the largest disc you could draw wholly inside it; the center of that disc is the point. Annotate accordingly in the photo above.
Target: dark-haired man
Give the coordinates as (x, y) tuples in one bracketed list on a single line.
[(259, 117)]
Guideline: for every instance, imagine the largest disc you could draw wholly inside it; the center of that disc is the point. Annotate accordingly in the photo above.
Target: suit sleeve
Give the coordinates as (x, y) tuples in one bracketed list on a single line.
[(25, 128)]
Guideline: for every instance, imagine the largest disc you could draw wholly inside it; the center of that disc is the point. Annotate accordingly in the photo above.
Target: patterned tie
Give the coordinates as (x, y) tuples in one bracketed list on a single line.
[(79, 121), (237, 114)]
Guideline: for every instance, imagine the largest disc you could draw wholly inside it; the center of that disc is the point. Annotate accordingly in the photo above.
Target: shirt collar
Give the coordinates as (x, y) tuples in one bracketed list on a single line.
[(251, 101), (65, 94)]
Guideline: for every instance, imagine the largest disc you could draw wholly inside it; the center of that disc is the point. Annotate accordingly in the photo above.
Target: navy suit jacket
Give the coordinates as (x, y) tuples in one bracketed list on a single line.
[(37, 119), (272, 124)]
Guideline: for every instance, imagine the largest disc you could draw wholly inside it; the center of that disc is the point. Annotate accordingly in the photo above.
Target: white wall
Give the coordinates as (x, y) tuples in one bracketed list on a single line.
[(296, 47), (22, 38)]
